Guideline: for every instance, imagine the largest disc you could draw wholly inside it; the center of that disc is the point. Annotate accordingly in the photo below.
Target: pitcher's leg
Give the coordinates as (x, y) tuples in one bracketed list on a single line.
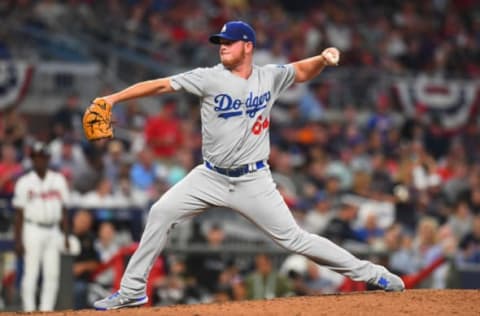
[(163, 215), (259, 201), (186, 199)]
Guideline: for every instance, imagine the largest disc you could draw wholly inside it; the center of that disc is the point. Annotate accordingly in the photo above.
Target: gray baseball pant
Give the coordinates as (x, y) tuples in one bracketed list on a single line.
[(254, 196)]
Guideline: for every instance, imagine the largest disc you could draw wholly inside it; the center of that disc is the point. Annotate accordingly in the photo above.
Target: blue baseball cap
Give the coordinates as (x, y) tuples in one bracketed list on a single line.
[(235, 31)]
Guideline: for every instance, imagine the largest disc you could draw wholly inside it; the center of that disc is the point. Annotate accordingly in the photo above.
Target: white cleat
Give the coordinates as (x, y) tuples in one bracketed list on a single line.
[(117, 300)]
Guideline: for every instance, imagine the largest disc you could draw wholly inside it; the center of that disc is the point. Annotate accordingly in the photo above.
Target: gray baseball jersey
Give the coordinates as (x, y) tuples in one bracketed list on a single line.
[(232, 109), (235, 119)]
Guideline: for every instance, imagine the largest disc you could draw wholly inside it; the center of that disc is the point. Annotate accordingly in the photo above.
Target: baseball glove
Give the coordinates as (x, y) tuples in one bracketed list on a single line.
[(97, 120)]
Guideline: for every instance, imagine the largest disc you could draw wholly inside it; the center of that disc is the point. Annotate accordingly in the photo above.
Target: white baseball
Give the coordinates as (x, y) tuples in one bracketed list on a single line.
[(332, 57)]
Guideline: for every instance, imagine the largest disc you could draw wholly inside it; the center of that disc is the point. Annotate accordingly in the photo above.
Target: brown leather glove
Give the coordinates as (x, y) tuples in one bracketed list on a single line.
[(97, 120)]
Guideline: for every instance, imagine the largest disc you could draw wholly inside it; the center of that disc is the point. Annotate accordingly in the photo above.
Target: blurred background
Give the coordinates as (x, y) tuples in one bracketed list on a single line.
[(380, 154)]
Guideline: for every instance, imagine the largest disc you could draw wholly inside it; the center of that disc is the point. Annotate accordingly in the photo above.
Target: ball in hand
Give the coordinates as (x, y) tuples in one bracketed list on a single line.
[(332, 57)]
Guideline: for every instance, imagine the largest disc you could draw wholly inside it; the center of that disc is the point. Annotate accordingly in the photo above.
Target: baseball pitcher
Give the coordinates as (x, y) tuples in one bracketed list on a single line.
[(236, 100)]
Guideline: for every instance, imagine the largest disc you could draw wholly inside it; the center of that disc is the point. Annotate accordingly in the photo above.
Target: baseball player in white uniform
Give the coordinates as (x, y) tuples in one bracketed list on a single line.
[(39, 200), (236, 99)]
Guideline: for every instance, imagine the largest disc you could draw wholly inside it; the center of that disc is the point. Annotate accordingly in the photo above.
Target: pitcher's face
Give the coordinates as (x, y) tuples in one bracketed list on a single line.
[(232, 53)]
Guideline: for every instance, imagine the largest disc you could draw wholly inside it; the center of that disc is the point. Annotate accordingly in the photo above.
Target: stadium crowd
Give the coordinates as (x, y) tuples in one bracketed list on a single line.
[(398, 36), (402, 187)]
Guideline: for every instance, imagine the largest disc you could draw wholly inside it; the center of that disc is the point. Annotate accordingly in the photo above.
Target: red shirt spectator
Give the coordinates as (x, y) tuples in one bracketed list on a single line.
[(10, 169), (163, 132)]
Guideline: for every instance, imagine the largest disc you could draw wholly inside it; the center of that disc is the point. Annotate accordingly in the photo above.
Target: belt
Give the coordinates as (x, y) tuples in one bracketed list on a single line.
[(43, 225), (239, 171)]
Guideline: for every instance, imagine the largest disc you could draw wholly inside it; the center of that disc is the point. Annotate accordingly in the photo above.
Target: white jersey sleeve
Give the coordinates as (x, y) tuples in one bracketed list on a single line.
[(283, 77), (191, 81), (63, 188), (20, 194)]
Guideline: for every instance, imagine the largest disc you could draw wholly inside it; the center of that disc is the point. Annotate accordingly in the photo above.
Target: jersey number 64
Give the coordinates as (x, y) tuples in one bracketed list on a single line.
[(260, 125)]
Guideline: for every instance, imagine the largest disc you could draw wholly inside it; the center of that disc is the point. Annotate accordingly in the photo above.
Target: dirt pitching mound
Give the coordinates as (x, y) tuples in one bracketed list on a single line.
[(410, 302)]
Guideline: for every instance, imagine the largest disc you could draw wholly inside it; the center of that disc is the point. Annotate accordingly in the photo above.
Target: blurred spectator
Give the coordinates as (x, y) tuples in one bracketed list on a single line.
[(50, 13), (10, 170), (13, 128), (470, 244), (402, 257), (379, 205), (172, 289), (67, 156), (318, 218), (88, 259), (102, 198), (461, 220), (448, 244), (414, 125), (176, 287), (230, 285), (314, 102), (381, 180), (436, 140), (183, 163), (381, 120), (321, 280), (272, 55), (266, 282), (309, 278), (145, 171), (470, 136), (129, 124), (474, 199), (337, 30), (106, 246), (206, 268), (133, 196), (86, 177), (458, 182), (295, 268), (339, 169), (424, 167), (426, 246), (163, 131), (332, 189), (339, 229), (370, 232), (68, 118), (114, 160), (392, 242)]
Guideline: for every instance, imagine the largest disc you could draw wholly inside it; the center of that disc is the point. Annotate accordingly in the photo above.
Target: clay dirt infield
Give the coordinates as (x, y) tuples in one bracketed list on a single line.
[(410, 302)]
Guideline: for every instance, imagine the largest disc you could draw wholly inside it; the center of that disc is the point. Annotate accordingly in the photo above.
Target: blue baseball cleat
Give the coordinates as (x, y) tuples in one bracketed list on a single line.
[(388, 281)]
